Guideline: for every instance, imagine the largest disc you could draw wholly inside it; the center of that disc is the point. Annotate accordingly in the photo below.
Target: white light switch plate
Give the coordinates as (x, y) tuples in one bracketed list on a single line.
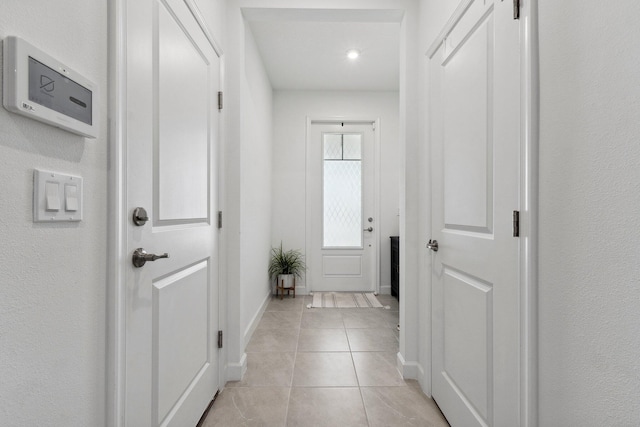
[(66, 207)]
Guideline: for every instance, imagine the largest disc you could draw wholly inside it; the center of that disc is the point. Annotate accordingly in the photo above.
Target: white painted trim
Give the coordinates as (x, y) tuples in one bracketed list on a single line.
[(307, 202), (377, 172), (453, 20), (235, 371), (116, 240), (222, 236), (376, 177), (409, 370), (197, 14), (291, 14), (529, 215), (253, 325)]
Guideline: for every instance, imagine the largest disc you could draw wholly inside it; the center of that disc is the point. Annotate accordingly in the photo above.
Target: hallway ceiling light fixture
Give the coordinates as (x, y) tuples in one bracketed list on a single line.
[(353, 53)]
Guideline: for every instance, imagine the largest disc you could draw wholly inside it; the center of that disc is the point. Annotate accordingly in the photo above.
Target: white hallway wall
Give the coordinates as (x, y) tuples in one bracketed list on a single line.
[(257, 118), (53, 276), (589, 213), (247, 187), (589, 223), (291, 109)]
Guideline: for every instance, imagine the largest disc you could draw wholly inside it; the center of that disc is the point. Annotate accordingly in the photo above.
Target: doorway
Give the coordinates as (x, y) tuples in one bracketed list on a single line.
[(342, 234)]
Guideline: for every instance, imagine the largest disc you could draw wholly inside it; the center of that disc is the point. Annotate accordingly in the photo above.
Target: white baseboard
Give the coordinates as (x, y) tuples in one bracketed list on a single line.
[(385, 290), (409, 370), (248, 333), (235, 371)]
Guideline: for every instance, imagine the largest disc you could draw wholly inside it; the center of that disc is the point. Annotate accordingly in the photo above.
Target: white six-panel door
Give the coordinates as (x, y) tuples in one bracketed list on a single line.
[(172, 79), (475, 135)]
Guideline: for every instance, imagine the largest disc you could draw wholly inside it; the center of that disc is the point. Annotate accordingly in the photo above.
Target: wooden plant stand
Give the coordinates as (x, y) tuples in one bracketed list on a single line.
[(281, 287)]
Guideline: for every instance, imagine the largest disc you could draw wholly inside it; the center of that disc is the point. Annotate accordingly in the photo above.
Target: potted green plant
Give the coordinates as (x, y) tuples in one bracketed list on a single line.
[(285, 265)]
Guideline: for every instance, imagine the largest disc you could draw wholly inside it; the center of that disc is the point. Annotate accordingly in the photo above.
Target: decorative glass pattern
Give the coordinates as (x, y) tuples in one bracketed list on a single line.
[(342, 191), (332, 146), (351, 147)]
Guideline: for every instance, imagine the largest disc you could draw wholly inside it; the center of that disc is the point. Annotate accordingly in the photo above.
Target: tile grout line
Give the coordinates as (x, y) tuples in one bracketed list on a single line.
[(293, 368), (353, 362)]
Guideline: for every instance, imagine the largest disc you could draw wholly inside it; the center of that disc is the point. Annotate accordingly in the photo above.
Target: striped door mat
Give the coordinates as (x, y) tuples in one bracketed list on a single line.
[(344, 300)]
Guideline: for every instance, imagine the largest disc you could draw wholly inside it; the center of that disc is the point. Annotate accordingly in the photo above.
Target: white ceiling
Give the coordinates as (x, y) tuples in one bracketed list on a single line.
[(306, 49)]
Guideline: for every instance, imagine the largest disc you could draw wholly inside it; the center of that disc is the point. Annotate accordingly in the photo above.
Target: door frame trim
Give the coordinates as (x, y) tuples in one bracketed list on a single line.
[(530, 95), (376, 186), (529, 174), (117, 255), (117, 227)]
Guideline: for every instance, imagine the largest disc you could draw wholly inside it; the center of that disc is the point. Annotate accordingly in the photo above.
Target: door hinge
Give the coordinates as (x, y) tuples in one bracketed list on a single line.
[(219, 219), (220, 96), (516, 223), (219, 339), (516, 9)]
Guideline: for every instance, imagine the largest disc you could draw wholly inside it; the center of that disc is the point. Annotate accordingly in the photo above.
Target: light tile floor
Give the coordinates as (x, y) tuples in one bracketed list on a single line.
[(324, 367)]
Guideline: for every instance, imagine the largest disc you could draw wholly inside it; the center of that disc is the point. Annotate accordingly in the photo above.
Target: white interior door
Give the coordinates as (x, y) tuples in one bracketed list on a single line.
[(475, 105), (341, 227), (172, 79)]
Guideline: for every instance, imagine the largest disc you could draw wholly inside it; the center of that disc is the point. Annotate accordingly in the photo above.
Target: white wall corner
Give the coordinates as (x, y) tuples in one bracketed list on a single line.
[(235, 371), (410, 370)]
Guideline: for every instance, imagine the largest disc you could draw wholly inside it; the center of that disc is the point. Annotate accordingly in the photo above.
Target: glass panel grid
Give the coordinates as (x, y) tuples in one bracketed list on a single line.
[(351, 147), (342, 193), (332, 147)]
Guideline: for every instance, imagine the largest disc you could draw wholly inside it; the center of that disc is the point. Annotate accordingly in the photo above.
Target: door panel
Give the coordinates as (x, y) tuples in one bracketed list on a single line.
[(340, 176), (475, 134), (468, 142), (467, 337), (182, 104), (345, 265), (181, 333), (172, 78)]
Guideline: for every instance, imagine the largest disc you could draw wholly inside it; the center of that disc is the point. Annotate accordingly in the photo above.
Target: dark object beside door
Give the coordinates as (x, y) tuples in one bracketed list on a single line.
[(395, 266)]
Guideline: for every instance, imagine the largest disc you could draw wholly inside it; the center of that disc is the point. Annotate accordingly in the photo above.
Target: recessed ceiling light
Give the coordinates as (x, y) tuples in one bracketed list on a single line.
[(353, 54)]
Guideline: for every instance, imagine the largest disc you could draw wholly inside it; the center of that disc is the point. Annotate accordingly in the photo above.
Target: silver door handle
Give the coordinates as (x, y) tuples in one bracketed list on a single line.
[(140, 257), (370, 229), (433, 245)]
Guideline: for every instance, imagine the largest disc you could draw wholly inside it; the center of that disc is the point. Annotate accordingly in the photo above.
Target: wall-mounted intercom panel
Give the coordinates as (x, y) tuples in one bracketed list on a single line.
[(40, 87)]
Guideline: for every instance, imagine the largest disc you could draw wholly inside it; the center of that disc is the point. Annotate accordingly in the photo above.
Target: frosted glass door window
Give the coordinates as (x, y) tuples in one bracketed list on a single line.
[(342, 190)]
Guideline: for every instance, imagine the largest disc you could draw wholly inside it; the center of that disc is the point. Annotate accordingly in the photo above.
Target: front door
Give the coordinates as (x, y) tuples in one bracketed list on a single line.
[(475, 134), (171, 139), (340, 222)]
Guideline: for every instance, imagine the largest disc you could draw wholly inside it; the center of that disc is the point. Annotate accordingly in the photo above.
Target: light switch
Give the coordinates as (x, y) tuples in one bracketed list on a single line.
[(71, 198), (56, 197), (52, 197)]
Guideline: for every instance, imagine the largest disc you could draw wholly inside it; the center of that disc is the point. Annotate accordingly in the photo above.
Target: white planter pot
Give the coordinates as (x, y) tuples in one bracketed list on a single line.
[(286, 280)]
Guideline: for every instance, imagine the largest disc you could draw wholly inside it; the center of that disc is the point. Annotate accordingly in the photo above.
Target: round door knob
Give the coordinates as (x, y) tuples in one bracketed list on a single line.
[(369, 229)]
